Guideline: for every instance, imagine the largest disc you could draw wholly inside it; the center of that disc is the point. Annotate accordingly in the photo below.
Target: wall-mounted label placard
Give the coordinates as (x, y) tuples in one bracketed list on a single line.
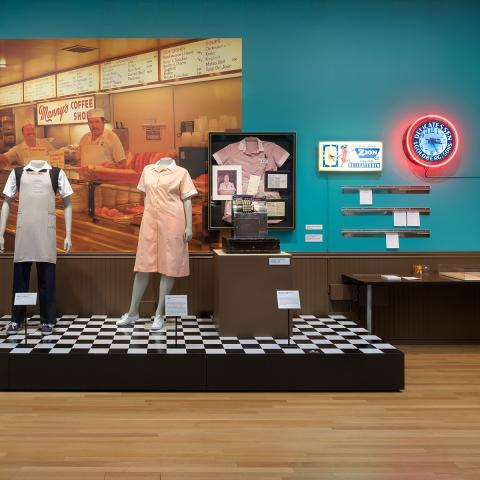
[(40, 89), (279, 261), (214, 55), (350, 156), (129, 71), (62, 112), (80, 80), (11, 94)]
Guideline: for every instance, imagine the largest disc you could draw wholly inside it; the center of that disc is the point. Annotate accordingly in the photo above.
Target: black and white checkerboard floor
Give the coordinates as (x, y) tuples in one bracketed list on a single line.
[(98, 334)]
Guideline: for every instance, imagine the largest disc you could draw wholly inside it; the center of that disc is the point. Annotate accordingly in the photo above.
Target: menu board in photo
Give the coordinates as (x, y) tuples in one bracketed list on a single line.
[(80, 80), (39, 89), (129, 71), (214, 55), (11, 94)]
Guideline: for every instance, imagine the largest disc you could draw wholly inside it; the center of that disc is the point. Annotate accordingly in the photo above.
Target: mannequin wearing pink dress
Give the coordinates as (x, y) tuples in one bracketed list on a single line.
[(165, 230)]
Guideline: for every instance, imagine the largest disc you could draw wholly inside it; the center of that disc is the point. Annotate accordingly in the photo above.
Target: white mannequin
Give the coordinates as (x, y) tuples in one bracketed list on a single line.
[(142, 279), (67, 243)]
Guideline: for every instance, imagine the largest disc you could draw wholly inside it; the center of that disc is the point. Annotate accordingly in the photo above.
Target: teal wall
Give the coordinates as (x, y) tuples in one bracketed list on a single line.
[(331, 69)]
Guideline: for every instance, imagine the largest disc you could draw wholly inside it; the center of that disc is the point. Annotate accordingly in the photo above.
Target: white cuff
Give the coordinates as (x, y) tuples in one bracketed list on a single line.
[(190, 194)]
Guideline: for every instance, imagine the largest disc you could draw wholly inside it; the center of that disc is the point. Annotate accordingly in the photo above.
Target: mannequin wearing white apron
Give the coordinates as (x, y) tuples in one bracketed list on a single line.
[(35, 239)]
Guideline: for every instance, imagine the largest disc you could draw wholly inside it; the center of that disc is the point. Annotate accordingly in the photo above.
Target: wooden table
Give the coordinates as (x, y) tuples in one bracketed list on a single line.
[(371, 280)]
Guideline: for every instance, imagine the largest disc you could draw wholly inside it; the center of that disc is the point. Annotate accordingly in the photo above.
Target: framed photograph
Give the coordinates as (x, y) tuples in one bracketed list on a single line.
[(266, 163), (226, 181), (276, 181)]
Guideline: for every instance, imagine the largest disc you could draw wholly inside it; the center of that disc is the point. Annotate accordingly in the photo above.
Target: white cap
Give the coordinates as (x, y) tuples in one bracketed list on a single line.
[(27, 122), (96, 113)]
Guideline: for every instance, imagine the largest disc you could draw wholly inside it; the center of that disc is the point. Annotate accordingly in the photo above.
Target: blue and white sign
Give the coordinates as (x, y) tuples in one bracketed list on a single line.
[(341, 156), (431, 141)]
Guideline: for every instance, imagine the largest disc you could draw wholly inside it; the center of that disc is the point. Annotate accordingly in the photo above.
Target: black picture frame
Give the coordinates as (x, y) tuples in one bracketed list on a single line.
[(279, 144)]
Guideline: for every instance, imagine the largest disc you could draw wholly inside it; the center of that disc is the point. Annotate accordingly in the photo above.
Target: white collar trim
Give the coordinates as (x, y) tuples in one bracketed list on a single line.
[(171, 166), (45, 166), (242, 146)]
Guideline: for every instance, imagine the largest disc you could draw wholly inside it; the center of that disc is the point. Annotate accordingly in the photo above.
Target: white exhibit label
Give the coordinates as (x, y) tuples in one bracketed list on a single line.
[(253, 184), (11, 94), (62, 112), (392, 240), (25, 299), (129, 71), (399, 218), (214, 55), (314, 237), (40, 88), (413, 219), (342, 156), (277, 181), (275, 209), (366, 197), (288, 299), (176, 305), (314, 227), (80, 80), (279, 261)]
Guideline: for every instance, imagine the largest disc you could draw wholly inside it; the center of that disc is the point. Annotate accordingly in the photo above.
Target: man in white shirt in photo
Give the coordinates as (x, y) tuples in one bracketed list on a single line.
[(32, 148), (100, 145)]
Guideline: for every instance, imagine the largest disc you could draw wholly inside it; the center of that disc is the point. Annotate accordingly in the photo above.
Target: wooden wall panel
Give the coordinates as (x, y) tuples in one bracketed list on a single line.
[(102, 284), (310, 278)]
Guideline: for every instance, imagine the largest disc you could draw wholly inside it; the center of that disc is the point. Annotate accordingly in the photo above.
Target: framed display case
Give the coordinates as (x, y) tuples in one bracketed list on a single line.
[(262, 164)]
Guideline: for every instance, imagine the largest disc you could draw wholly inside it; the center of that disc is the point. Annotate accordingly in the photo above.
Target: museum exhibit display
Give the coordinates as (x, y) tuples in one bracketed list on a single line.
[(141, 177), (258, 164)]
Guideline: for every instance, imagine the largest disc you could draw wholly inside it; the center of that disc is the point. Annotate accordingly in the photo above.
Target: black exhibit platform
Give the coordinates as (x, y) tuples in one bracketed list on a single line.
[(328, 353)]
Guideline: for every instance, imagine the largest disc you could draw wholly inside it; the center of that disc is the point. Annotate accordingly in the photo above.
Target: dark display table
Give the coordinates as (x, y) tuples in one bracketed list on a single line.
[(371, 280)]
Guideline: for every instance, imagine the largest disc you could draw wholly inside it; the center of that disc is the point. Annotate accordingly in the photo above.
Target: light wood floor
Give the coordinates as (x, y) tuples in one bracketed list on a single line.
[(429, 432)]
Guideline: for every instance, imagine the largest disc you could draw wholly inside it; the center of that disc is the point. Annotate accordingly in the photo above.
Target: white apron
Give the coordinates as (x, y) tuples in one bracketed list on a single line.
[(35, 238), (93, 155)]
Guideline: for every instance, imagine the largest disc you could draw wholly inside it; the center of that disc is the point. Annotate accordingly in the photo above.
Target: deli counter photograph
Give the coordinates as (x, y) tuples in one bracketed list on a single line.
[(150, 107)]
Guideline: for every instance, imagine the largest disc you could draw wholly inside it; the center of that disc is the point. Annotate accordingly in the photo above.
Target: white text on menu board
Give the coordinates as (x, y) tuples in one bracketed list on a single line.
[(214, 55), (136, 70), (223, 54), (40, 88), (78, 81), (11, 94)]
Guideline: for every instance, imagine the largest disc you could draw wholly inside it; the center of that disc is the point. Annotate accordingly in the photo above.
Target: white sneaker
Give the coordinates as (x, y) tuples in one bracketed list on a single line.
[(157, 324), (126, 320)]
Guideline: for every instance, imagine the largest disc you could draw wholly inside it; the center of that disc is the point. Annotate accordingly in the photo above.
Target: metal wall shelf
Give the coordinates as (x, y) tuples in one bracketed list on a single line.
[(388, 188), (347, 211), (382, 233)]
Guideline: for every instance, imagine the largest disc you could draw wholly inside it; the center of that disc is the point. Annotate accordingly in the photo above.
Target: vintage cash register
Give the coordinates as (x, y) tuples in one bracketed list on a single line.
[(250, 230)]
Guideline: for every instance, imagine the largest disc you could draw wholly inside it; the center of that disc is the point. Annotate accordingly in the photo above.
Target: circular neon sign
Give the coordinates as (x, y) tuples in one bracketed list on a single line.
[(431, 141)]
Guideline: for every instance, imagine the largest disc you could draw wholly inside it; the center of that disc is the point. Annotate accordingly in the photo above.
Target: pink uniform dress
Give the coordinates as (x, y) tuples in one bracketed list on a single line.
[(161, 247)]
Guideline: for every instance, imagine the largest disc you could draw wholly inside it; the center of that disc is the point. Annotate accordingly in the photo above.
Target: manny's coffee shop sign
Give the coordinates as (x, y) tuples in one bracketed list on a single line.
[(62, 112)]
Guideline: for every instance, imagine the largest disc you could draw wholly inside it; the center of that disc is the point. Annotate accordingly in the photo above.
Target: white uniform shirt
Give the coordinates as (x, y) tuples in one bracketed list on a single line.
[(22, 153), (109, 143), (64, 187)]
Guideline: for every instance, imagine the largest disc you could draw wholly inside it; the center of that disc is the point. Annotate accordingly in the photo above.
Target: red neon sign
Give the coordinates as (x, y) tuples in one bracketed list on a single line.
[(431, 141)]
